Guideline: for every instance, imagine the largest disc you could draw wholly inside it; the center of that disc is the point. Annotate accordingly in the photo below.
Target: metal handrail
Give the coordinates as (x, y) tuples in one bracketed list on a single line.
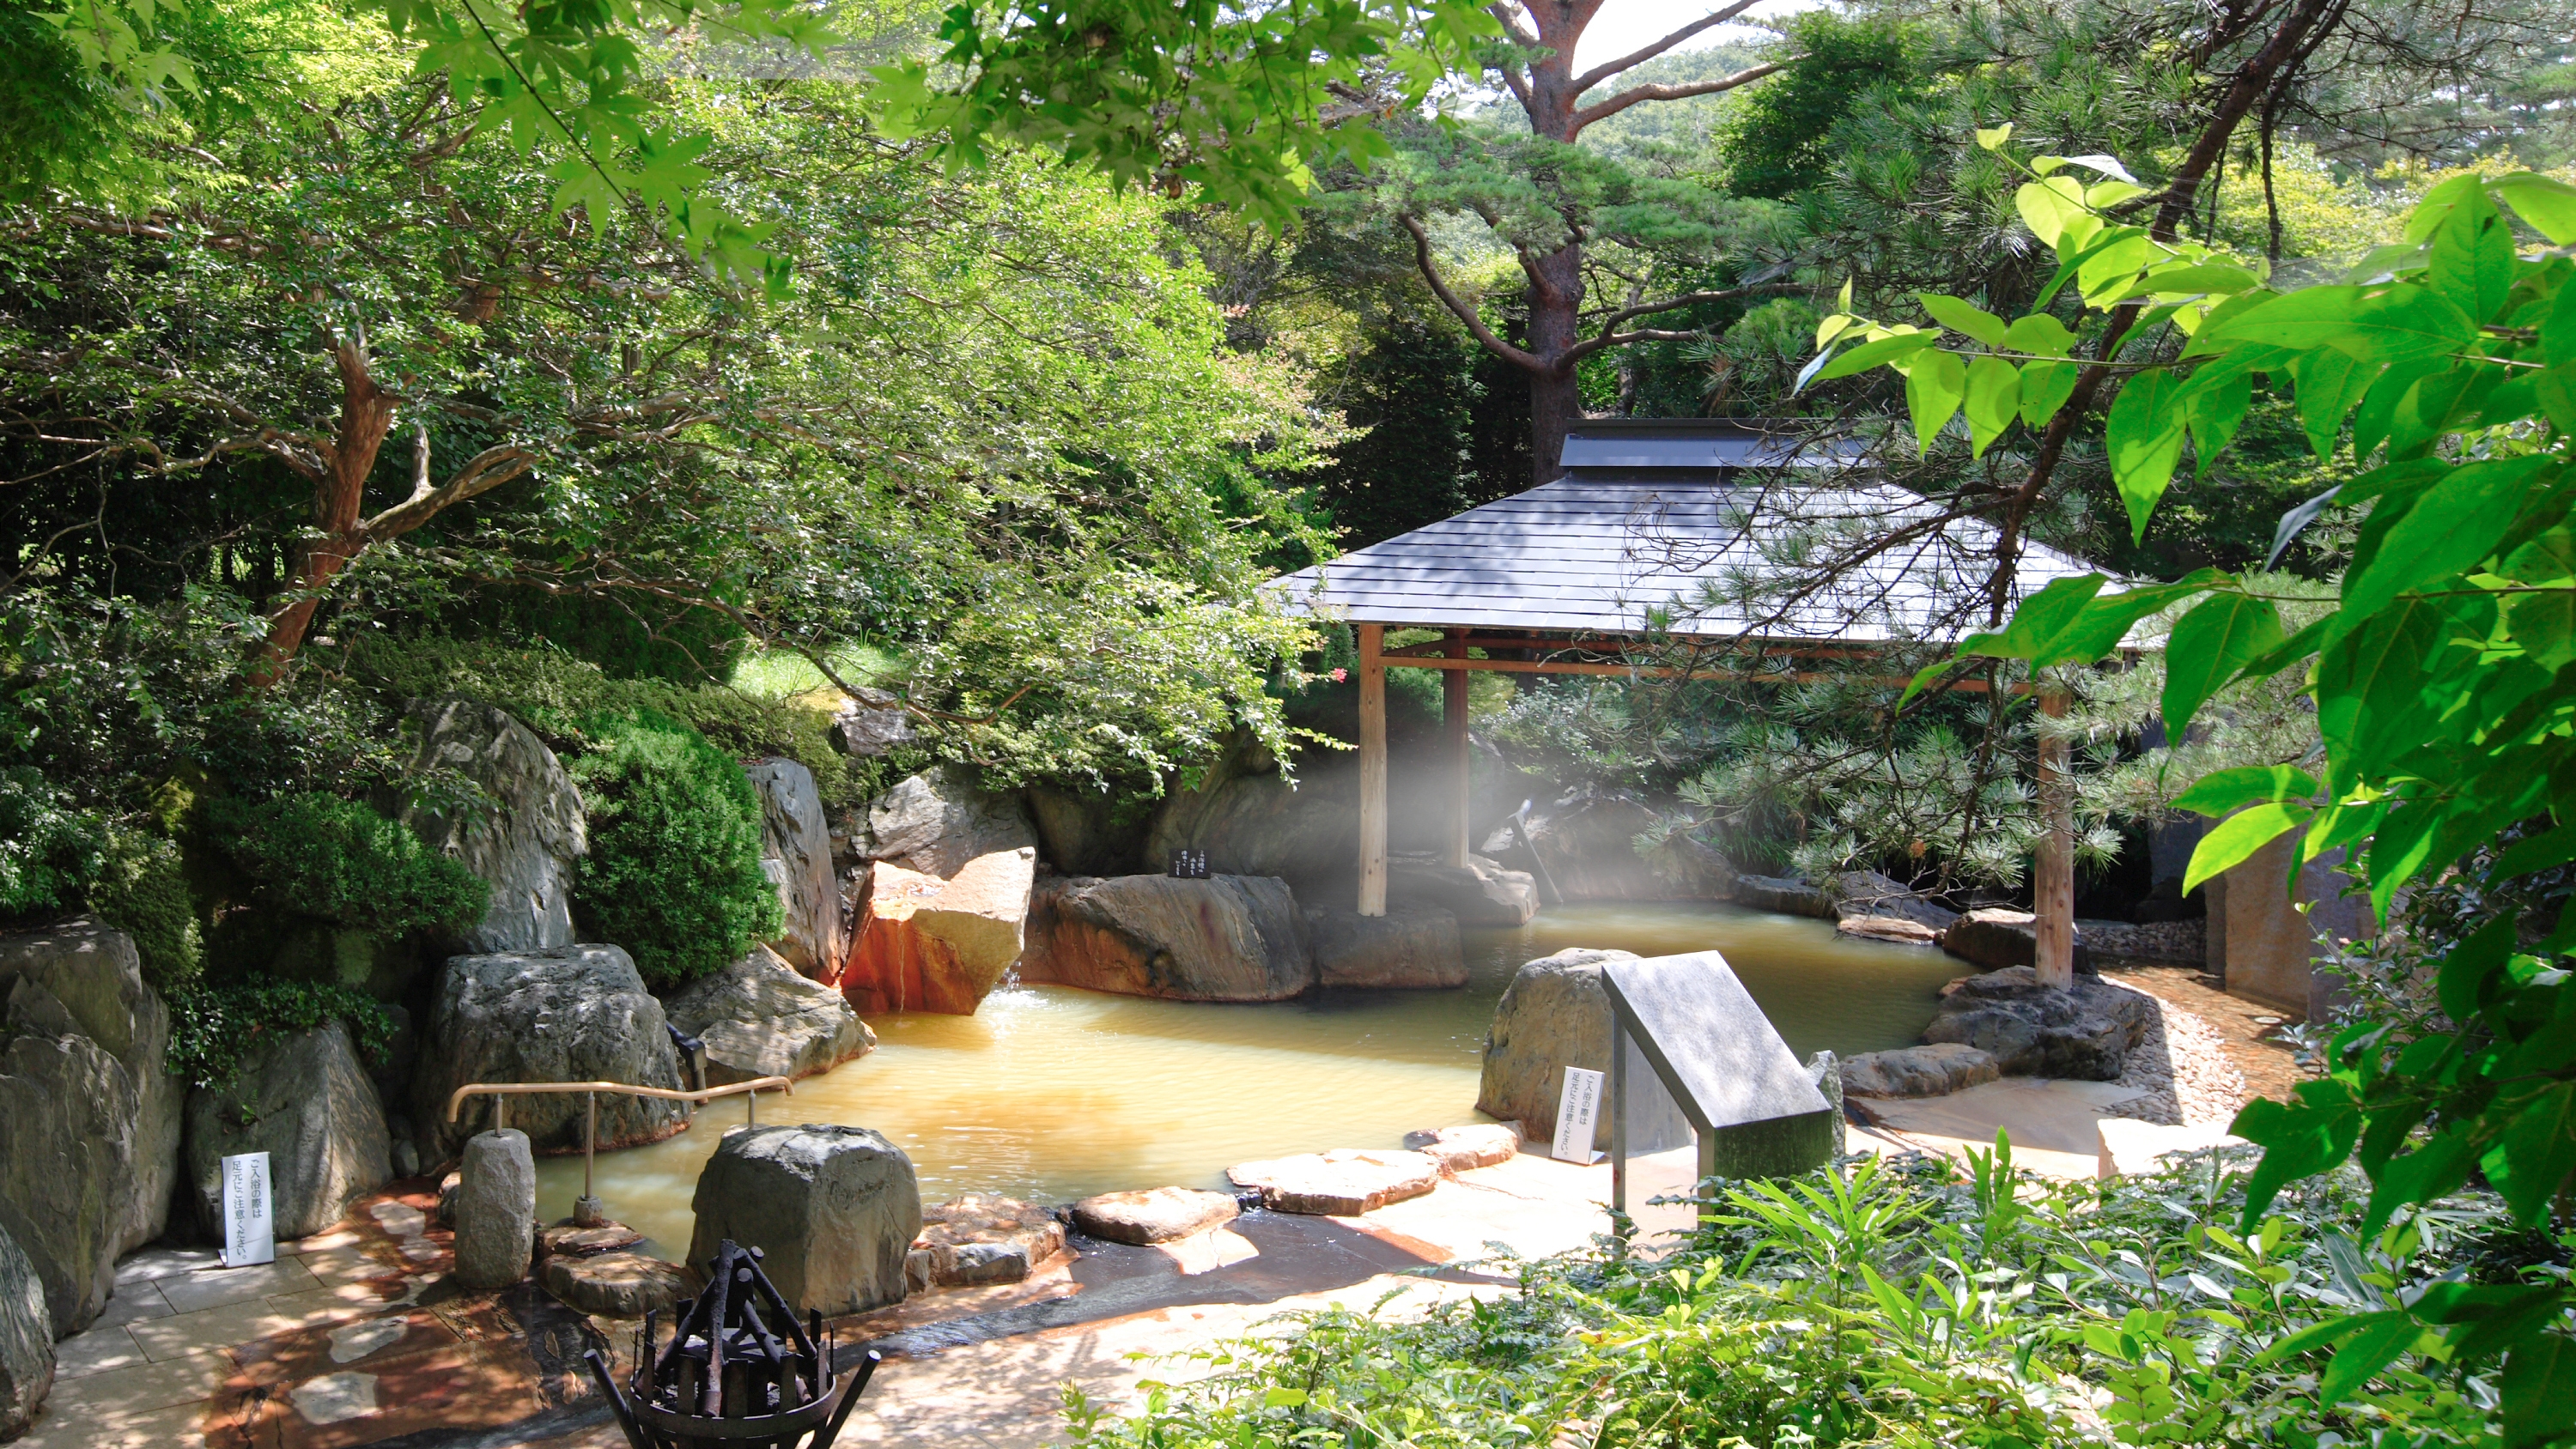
[(749, 1092)]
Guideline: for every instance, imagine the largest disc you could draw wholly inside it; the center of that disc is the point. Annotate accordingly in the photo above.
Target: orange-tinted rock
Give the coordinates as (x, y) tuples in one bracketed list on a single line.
[(926, 944)]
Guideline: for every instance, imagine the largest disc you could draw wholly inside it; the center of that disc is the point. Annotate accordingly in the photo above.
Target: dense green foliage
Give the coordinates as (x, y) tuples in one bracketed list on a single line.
[(673, 873), (213, 1027), (341, 861), (142, 889), (560, 696), (1905, 1305), (2448, 727)]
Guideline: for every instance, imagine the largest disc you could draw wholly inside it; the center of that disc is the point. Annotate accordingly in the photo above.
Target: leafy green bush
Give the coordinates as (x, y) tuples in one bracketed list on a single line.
[(336, 860), (49, 848), (673, 873), (142, 890), (560, 696), (213, 1027), (1897, 1305)]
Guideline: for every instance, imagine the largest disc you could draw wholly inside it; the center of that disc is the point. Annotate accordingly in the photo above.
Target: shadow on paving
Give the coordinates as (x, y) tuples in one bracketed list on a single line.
[(1298, 1255)]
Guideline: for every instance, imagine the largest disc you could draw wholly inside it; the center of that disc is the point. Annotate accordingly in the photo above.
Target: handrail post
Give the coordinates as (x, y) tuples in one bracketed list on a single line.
[(500, 1111), (751, 1108), (587, 1212)]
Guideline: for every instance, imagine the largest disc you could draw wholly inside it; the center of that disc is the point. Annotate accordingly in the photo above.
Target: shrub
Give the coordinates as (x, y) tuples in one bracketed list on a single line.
[(49, 848), (213, 1027), (673, 873), (142, 890), (559, 696), (1906, 1306), (336, 860)]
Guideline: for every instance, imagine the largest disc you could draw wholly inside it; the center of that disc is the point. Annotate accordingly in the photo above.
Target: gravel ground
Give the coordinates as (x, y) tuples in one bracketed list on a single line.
[(2182, 1066)]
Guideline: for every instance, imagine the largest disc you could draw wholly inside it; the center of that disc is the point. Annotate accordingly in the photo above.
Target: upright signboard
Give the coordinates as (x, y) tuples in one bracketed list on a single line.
[(250, 1234), (1578, 1114)]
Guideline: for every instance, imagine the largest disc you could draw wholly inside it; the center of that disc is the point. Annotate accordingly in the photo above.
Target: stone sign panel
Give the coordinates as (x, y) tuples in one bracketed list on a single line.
[(1754, 1109)]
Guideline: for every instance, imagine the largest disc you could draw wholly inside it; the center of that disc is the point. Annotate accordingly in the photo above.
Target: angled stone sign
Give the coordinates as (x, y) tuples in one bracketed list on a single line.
[(1754, 1109)]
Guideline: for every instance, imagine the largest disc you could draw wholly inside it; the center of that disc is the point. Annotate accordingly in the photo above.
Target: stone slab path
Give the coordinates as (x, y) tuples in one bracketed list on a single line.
[(356, 1337)]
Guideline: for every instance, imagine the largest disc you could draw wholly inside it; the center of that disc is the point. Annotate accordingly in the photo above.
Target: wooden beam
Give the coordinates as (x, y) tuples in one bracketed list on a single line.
[(1718, 676), (1453, 715), (1372, 900), (1439, 648), (2053, 870)]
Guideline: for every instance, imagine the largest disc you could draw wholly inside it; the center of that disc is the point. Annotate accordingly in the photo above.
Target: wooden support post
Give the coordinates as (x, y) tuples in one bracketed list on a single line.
[(2053, 871), (1453, 714), (1372, 772)]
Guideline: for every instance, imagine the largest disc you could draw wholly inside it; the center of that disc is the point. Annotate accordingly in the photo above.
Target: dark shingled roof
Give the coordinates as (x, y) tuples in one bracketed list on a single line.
[(1706, 520)]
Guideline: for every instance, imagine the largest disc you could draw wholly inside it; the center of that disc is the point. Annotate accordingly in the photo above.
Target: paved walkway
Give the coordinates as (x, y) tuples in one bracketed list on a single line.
[(355, 1336)]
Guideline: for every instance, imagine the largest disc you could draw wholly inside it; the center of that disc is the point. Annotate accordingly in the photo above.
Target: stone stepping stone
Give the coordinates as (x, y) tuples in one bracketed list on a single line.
[(616, 1285), (1463, 1149), (982, 1239), (1341, 1183), (1143, 1217)]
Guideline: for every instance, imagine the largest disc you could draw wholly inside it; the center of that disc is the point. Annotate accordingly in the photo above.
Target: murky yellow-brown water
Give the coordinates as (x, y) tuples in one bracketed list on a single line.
[(1053, 1093)]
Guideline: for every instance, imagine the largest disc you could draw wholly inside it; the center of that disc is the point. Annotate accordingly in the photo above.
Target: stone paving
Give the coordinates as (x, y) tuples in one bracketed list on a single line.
[(356, 1337)]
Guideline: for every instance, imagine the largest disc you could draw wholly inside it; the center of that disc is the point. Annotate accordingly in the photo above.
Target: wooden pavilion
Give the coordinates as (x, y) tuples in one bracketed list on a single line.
[(1660, 534)]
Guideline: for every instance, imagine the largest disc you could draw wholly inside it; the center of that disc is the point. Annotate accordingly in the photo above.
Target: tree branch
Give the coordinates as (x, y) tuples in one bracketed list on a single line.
[(1635, 58), (1513, 25), (1641, 94), (1610, 336), (1465, 313), (482, 473)]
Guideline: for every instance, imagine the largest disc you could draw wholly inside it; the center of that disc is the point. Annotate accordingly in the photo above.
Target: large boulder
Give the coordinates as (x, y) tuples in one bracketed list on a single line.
[(1415, 947), (1923, 1071), (834, 1211), (1479, 893), (1785, 895), (796, 855), (26, 1341), (1996, 937), (1865, 894), (521, 838), (937, 821), (1554, 1015), (89, 1112), (759, 1018), (306, 1101), (577, 1014), (870, 722), (2085, 1031), (1224, 938), (927, 943), (496, 1210)]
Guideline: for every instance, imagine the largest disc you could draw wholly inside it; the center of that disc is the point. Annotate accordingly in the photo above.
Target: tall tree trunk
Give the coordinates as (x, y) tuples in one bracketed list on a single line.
[(1556, 398)]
